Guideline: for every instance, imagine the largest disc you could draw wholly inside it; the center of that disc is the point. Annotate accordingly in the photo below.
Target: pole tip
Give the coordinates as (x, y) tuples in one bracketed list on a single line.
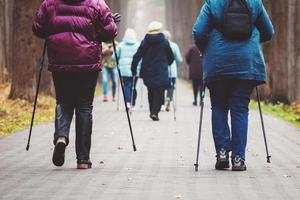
[(27, 148), (268, 159), (134, 148), (196, 167)]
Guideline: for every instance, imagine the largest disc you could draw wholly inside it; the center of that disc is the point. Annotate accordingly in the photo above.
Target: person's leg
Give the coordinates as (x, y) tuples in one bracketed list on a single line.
[(134, 92), (105, 83), (127, 89), (219, 94), (114, 83), (195, 90), (239, 100), (150, 99), (86, 84), (170, 93), (63, 114), (158, 100)]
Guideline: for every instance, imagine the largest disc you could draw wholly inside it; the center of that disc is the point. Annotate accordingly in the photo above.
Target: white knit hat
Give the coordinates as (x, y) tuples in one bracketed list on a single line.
[(155, 26), (167, 34), (130, 34)]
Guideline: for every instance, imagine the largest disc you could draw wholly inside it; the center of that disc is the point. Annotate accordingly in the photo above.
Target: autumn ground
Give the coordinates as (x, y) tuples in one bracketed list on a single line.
[(161, 169)]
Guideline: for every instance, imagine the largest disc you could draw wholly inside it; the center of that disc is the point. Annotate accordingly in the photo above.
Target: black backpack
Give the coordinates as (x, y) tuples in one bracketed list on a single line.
[(236, 20)]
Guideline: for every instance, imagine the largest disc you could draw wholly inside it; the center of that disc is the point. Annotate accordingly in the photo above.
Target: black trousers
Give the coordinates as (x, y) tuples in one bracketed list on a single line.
[(75, 92), (197, 84), (156, 99)]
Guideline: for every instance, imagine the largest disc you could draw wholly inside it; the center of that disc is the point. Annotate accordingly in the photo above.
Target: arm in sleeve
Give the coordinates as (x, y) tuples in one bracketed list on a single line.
[(107, 29), (170, 54), (177, 55), (264, 25), (40, 22), (137, 57), (203, 26)]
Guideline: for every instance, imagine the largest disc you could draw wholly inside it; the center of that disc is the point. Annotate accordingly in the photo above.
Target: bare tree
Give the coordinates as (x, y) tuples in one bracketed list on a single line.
[(26, 50)]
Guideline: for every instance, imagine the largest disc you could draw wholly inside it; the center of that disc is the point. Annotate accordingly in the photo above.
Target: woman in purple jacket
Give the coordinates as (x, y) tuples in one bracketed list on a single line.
[(74, 30)]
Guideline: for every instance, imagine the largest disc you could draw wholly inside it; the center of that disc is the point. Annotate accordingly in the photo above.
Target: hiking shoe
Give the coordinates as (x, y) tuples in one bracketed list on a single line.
[(168, 105), (84, 164), (114, 99), (195, 103), (154, 117), (58, 158), (222, 160), (238, 164), (105, 98)]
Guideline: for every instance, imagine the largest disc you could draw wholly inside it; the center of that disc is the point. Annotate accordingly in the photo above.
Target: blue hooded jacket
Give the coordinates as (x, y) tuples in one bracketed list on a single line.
[(126, 50), (225, 59), (157, 55)]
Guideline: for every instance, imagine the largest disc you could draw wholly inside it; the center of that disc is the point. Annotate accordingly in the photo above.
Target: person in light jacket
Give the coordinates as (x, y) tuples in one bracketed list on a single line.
[(173, 69)]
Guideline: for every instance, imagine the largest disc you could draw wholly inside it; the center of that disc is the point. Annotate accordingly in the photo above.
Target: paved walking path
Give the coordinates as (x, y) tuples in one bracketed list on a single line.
[(161, 169)]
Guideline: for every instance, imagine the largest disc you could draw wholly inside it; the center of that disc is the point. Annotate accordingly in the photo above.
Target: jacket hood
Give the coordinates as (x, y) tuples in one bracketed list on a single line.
[(155, 38), (130, 41), (73, 1)]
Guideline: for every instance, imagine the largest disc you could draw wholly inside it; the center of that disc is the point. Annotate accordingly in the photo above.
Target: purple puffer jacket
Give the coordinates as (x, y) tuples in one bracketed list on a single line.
[(74, 30)]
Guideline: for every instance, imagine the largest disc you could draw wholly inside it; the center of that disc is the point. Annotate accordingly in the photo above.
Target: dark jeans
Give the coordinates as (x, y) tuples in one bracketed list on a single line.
[(127, 88), (170, 91), (75, 92), (234, 96), (156, 99), (197, 84)]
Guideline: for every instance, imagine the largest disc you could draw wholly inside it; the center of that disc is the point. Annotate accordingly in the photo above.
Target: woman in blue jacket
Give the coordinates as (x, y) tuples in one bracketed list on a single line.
[(126, 50), (231, 71)]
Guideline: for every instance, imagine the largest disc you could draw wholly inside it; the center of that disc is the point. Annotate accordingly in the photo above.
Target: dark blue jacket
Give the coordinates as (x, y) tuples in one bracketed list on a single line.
[(232, 59), (157, 55)]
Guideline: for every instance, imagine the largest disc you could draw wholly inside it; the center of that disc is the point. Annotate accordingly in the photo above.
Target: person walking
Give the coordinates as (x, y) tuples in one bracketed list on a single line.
[(126, 50), (194, 60), (109, 71), (229, 34), (173, 69), (75, 61), (156, 55)]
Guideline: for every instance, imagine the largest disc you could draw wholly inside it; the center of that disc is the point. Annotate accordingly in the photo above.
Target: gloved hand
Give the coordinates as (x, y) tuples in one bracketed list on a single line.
[(116, 17)]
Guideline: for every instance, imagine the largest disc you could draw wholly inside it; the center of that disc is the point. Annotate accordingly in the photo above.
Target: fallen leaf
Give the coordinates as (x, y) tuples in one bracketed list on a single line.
[(252, 177), (286, 176), (179, 196), (101, 162), (120, 148)]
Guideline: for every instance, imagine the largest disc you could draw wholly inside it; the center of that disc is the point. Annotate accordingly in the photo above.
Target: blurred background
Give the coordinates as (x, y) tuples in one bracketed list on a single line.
[(20, 49)]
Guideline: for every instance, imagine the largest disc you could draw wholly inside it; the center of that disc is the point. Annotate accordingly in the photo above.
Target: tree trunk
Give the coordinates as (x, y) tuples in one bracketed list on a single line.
[(26, 50), (181, 27), (2, 42)]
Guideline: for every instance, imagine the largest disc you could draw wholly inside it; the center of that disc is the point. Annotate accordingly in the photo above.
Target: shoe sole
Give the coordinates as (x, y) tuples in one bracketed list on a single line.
[(84, 166), (239, 169), (59, 154), (222, 165)]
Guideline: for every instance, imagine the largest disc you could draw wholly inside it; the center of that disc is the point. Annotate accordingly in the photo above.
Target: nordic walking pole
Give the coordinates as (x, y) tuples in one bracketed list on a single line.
[(174, 101), (40, 67), (262, 124), (118, 103), (122, 86), (200, 126)]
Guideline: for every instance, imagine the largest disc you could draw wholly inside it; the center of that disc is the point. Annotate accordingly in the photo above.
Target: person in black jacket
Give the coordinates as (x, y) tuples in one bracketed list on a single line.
[(157, 55)]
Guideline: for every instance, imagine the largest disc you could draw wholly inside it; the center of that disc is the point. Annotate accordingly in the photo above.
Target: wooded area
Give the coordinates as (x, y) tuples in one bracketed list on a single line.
[(20, 50)]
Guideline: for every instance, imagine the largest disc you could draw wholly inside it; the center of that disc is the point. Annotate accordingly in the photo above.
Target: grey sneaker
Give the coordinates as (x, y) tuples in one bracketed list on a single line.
[(238, 164), (222, 160)]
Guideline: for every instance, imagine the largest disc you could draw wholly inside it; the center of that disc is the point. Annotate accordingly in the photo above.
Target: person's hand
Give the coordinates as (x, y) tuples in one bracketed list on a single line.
[(116, 17)]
